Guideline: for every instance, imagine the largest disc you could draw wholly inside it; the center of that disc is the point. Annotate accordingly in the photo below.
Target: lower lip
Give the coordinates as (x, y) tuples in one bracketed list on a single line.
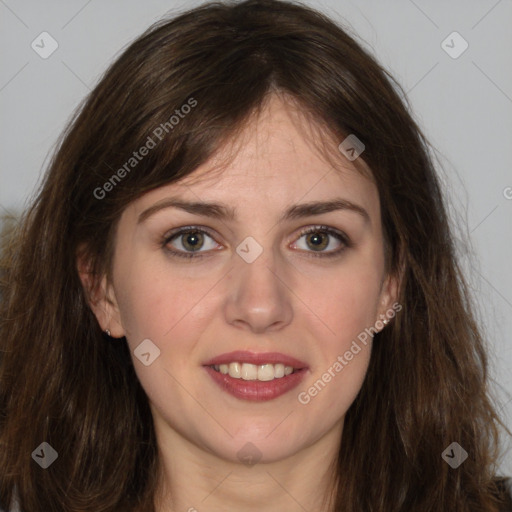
[(255, 390)]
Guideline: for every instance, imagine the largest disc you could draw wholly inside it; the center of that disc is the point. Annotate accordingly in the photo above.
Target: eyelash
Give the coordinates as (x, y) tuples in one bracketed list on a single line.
[(339, 235)]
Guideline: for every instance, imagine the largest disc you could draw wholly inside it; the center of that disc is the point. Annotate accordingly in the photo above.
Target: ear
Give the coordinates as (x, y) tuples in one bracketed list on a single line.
[(100, 297), (388, 305)]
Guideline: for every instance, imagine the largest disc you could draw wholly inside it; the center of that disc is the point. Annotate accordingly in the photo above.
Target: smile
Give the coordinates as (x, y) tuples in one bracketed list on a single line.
[(256, 376), (247, 371)]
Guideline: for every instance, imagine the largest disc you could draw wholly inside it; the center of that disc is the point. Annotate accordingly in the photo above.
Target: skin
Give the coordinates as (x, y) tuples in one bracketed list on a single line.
[(287, 301)]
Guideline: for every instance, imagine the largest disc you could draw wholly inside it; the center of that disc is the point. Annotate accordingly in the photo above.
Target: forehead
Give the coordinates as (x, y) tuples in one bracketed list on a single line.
[(274, 161)]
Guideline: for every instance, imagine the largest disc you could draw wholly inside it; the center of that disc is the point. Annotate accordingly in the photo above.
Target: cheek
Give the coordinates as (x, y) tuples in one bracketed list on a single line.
[(347, 309), (347, 304), (163, 306), (149, 299)]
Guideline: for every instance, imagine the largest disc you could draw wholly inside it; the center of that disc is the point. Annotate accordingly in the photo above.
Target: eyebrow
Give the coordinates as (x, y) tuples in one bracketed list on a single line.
[(223, 212)]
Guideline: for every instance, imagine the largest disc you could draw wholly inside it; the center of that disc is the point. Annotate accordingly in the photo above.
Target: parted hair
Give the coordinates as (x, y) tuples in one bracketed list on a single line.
[(64, 382)]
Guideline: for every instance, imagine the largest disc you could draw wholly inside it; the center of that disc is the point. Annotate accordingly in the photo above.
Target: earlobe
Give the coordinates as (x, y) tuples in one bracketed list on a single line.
[(101, 299)]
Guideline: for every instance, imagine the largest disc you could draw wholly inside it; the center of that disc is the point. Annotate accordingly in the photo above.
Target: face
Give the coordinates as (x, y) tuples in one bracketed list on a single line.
[(279, 290)]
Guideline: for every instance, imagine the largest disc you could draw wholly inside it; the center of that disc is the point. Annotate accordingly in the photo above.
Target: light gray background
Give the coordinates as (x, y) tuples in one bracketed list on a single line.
[(464, 106)]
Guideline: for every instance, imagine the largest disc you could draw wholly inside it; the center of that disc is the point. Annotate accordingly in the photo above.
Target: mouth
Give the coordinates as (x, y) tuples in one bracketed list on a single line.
[(247, 371), (257, 377)]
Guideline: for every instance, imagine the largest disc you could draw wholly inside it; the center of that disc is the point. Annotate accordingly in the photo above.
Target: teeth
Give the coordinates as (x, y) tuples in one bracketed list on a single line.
[(235, 370), (266, 372), (249, 372), (279, 371), (262, 372)]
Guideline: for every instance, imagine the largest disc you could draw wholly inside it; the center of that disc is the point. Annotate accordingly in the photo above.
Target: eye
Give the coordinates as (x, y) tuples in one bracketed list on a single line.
[(193, 241), (319, 238), (188, 242)]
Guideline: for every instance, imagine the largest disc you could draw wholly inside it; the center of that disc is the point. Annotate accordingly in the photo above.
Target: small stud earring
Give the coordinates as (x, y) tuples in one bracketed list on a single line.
[(107, 331)]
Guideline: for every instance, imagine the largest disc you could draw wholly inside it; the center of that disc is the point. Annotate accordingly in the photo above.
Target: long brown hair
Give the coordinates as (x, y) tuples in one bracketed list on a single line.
[(64, 382)]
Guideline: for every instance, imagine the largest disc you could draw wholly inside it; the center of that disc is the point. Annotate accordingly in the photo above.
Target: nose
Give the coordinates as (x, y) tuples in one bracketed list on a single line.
[(258, 298)]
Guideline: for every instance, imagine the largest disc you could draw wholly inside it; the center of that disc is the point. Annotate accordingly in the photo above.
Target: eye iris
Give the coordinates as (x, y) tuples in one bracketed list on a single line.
[(193, 240), (316, 240)]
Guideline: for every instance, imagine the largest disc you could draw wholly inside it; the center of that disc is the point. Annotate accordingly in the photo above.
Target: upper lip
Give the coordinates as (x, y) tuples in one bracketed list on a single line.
[(242, 356)]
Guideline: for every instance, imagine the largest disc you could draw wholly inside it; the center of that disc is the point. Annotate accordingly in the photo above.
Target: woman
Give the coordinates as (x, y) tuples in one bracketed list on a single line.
[(237, 290)]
